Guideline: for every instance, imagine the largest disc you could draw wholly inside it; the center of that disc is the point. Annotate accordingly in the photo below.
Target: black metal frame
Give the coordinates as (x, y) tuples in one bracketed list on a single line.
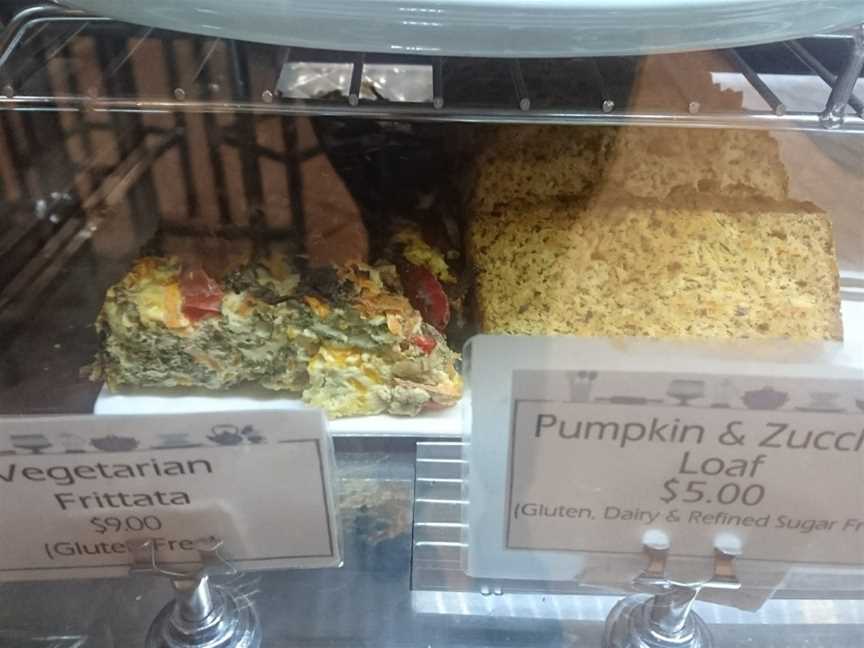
[(202, 94)]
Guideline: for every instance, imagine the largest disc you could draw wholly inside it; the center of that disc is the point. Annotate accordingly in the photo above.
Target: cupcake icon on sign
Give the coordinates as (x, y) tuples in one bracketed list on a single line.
[(724, 393), (72, 443), (581, 384)]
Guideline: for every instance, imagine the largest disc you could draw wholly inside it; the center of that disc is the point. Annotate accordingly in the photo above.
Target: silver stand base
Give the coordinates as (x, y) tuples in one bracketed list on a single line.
[(232, 623), (629, 626)]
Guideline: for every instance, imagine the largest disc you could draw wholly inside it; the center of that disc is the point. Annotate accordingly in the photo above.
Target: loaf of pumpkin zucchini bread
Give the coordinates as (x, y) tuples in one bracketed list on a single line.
[(736, 268), (530, 163)]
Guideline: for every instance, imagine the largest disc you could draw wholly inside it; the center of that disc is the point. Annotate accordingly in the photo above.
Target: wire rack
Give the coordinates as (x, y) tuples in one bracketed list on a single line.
[(44, 52)]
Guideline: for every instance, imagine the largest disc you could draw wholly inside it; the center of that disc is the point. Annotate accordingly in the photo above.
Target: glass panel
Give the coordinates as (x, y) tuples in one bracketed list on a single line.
[(285, 228)]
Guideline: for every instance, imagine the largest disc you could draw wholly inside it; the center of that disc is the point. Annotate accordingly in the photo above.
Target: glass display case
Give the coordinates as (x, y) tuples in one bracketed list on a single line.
[(517, 323)]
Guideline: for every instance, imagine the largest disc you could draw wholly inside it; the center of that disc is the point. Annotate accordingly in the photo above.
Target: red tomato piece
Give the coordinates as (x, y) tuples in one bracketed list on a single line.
[(202, 296), (425, 343), (425, 293), (432, 406)]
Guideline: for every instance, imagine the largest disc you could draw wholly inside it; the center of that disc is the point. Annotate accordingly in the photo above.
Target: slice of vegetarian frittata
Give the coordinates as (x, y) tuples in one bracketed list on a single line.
[(344, 337)]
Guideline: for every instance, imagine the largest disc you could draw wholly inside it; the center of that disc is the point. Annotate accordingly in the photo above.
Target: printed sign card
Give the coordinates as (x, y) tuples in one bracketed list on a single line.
[(75, 489), (580, 447), (705, 459)]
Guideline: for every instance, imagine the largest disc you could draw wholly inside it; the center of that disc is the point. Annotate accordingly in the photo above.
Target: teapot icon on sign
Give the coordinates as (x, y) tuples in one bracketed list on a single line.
[(766, 398), (227, 435)]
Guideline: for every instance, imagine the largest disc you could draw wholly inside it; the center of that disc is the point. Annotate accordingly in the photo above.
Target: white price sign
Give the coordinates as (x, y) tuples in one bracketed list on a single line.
[(75, 489), (706, 460), (579, 447)]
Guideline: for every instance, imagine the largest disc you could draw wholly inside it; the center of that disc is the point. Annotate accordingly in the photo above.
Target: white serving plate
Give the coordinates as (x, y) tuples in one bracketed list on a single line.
[(447, 423), (444, 423), (498, 28)]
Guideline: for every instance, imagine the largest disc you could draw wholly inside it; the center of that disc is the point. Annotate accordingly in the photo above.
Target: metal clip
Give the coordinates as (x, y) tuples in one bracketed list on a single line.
[(663, 618), (145, 560), (653, 577), (199, 615), (842, 91), (654, 574)]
